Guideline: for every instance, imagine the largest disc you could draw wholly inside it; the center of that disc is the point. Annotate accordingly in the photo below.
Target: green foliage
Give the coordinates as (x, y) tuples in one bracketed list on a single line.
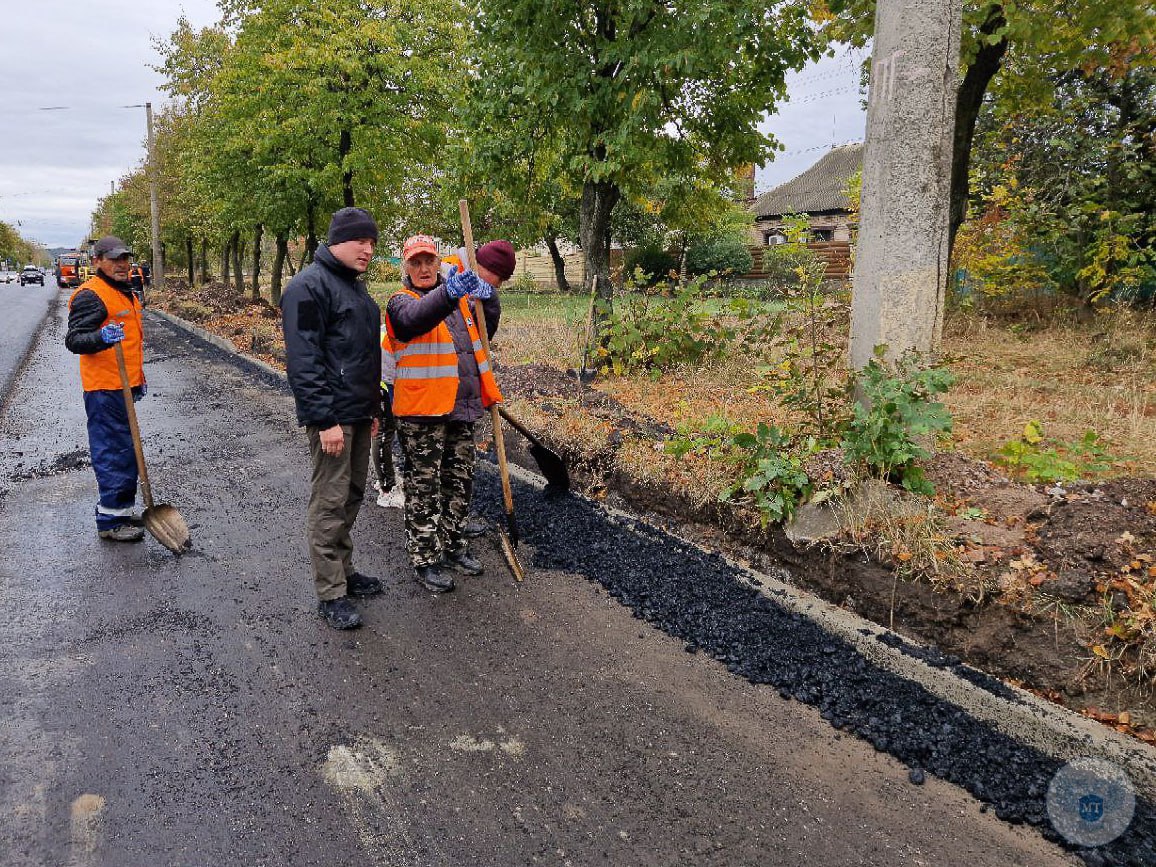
[(721, 254), (713, 438), (649, 331), (629, 94), (654, 263), (896, 409), (1037, 458), (771, 473)]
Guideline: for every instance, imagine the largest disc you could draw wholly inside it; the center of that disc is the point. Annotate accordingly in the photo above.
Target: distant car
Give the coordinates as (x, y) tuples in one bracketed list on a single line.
[(31, 274)]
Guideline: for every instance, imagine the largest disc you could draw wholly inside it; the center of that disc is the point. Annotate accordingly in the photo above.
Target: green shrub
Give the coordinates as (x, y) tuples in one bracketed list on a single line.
[(771, 473), (647, 331), (722, 255), (654, 262), (896, 409), (1037, 458)]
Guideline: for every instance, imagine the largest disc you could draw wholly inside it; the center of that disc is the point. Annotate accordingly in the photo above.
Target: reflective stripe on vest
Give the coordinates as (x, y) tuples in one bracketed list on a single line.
[(426, 381), (98, 370)]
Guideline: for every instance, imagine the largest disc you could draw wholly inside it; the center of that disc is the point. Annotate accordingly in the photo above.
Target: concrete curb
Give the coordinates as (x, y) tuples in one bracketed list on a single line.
[(1046, 727), (219, 342)]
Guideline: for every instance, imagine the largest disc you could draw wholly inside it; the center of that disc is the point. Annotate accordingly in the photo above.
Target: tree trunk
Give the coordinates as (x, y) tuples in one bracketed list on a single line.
[(344, 147), (226, 260), (968, 102), (238, 259), (311, 237), (204, 261), (255, 286), (559, 263), (279, 259), (598, 200), (189, 256)]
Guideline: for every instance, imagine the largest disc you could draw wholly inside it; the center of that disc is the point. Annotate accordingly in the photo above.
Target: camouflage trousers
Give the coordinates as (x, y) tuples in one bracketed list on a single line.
[(438, 484)]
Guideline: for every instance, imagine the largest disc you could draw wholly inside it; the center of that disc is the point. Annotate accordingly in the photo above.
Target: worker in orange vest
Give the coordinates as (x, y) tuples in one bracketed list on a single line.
[(443, 383), (102, 312)]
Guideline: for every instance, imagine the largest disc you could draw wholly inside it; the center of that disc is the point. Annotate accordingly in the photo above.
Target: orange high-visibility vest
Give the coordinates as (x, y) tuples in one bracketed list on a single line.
[(98, 370), (426, 380)]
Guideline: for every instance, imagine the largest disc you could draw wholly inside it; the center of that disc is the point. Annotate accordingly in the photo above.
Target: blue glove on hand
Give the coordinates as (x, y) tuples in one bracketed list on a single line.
[(484, 290), (112, 333), (462, 283)]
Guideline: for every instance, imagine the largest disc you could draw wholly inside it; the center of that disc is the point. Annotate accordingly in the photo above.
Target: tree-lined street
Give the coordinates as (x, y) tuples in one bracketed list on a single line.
[(194, 710)]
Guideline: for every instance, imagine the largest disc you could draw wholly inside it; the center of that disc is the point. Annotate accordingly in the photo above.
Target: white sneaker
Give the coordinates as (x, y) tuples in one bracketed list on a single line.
[(392, 499)]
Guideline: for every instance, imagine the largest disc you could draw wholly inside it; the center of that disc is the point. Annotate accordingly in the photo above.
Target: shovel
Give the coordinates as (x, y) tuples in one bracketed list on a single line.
[(551, 465), (508, 542), (164, 522)]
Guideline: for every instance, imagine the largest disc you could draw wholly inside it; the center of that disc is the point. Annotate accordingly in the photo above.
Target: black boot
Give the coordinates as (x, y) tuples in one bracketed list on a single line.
[(357, 584), (434, 580), (465, 562), (339, 613), (474, 527)]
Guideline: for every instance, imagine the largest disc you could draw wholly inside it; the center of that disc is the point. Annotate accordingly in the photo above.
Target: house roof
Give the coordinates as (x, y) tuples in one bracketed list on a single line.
[(819, 188)]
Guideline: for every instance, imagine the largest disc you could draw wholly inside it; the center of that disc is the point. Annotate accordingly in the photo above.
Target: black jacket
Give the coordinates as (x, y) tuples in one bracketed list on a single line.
[(332, 344), (411, 317)]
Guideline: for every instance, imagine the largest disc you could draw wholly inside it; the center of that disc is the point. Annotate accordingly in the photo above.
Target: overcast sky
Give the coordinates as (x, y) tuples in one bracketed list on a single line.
[(91, 57)]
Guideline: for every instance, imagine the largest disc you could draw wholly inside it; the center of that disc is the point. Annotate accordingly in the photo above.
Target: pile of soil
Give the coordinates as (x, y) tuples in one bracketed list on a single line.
[(1047, 555)]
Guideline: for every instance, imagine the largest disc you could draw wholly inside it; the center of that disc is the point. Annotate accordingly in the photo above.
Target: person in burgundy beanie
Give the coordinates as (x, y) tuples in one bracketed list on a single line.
[(496, 257)]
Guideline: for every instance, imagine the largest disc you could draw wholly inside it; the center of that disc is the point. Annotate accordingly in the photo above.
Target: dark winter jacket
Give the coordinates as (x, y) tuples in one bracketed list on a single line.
[(332, 344), (411, 317), (85, 316)]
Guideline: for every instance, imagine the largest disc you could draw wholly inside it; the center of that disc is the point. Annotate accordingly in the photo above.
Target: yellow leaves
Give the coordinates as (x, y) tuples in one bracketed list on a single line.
[(1033, 432), (1100, 651)]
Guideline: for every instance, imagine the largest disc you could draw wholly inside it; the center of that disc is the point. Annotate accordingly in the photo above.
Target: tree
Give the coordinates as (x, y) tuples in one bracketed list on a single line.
[(1017, 48), (634, 90)]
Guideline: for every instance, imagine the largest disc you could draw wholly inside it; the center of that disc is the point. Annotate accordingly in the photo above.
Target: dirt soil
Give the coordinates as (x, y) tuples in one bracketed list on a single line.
[(1043, 552)]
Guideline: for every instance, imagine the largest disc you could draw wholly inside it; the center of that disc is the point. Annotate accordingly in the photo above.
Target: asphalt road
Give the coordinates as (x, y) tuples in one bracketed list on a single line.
[(195, 711), (24, 309)]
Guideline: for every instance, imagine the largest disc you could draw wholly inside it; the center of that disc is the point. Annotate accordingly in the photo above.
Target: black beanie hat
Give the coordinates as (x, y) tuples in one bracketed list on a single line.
[(349, 224)]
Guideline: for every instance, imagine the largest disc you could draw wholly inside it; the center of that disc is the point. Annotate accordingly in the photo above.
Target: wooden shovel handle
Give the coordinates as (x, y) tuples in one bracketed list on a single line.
[(480, 314), (130, 408)]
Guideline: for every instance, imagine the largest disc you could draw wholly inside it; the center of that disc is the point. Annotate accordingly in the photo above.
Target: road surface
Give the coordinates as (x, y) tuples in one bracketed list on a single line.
[(196, 711)]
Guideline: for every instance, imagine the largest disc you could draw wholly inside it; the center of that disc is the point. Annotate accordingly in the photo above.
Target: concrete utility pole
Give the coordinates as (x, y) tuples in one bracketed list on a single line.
[(901, 262), (158, 266)]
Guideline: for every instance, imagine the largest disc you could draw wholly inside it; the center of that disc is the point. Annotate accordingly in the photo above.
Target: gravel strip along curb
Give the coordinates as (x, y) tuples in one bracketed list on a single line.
[(1001, 744)]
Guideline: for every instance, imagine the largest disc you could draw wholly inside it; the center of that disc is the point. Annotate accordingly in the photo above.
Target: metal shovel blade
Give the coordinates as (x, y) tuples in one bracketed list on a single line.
[(167, 526)]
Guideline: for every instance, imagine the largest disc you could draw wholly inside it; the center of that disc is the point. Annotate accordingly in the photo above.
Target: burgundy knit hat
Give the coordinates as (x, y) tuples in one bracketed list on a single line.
[(498, 256)]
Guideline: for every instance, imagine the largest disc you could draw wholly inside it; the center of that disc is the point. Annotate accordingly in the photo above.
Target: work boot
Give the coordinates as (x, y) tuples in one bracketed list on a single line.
[(434, 580), (474, 527), (464, 562), (122, 533), (339, 613), (357, 584)]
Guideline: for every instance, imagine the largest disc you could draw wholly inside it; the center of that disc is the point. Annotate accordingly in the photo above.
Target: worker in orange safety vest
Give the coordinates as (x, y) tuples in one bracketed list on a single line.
[(102, 312), (443, 382)]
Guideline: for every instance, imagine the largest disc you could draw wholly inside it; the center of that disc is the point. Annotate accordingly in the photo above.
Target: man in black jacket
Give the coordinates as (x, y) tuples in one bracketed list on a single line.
[(332, 333)]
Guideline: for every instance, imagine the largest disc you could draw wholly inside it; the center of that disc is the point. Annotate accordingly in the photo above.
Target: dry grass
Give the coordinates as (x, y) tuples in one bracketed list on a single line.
[(1070, 378)]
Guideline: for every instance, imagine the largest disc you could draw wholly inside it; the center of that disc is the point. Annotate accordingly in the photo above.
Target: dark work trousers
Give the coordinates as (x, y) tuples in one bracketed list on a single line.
[(382, 449), (438, 483), (338, 487), (113, 458)]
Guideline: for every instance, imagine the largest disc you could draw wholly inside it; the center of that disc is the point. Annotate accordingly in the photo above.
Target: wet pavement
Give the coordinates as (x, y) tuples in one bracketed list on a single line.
[(195, 710)]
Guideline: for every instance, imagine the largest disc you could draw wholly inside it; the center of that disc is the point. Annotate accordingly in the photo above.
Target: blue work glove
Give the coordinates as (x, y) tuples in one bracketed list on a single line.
[(112, 333), (461, 283), (484, 290)]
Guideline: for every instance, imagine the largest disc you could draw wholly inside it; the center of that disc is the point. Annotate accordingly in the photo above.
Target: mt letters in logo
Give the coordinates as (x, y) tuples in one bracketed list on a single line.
[(1090, 802), (1091, 808)]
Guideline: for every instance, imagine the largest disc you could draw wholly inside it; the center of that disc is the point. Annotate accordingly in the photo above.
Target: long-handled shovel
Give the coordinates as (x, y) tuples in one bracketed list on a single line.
[(508, 541), (164, 522), (548, 461)]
